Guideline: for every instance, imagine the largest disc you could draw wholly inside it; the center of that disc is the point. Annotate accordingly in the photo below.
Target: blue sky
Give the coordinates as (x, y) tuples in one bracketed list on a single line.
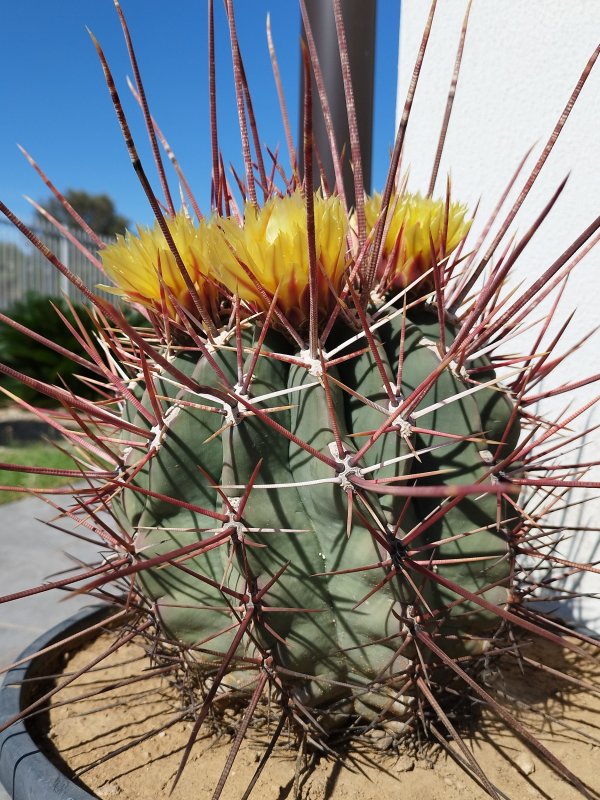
[(54, 101)]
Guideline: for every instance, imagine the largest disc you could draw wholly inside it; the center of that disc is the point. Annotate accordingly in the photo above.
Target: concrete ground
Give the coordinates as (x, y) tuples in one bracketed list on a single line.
[(31, 553)]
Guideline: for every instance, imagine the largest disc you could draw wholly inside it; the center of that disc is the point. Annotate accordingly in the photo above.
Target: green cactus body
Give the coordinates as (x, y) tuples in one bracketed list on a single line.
[(295, 517), (474, 528), (161, 526)]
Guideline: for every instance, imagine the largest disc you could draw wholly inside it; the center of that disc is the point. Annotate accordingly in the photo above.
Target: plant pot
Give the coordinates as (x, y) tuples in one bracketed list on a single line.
[(28, 768)]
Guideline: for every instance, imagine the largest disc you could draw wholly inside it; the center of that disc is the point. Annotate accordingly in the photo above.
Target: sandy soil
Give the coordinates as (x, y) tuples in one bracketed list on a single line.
[(566, 719)]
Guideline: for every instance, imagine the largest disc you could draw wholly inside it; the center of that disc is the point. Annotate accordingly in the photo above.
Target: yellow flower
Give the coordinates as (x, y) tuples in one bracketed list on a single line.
[(268, 252), (271, 250), (407, 246), (134, 263)]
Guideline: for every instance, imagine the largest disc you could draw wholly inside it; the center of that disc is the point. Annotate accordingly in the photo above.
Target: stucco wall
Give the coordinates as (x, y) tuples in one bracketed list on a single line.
[(521, 61)]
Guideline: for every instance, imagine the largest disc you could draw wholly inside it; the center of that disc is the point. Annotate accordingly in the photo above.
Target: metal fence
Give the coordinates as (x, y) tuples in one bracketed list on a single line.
[(24, 269)]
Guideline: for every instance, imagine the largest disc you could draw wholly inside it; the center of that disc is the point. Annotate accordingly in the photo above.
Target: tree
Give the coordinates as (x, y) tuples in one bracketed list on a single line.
[(98, 210)]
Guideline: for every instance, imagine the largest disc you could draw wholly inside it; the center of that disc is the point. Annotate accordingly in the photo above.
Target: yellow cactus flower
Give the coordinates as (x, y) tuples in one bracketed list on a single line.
[(135, 263), (407, 245), (271, 250)]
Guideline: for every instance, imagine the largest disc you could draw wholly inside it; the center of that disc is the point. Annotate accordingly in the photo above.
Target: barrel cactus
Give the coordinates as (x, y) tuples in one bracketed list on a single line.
[(307, 480), (313, 454)]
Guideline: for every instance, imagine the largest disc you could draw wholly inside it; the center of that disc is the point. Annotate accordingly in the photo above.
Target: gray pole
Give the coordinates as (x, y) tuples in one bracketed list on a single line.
[(359, 23)]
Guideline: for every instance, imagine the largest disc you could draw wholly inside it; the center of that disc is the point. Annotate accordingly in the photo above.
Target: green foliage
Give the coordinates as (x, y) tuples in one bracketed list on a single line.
[(23, 354)]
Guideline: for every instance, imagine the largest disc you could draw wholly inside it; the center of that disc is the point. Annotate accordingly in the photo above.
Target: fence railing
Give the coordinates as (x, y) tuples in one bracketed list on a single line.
[(24, 269)]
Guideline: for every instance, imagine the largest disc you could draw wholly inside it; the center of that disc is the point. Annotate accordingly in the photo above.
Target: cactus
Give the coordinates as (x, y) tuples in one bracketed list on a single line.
[(315, 453), (303, 511)]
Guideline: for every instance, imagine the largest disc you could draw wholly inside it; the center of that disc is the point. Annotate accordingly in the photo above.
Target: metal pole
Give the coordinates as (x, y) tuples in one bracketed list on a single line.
[(64, 251), (359, 23)]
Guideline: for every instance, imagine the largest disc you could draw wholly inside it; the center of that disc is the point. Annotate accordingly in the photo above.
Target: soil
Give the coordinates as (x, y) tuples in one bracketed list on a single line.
[(566, 719)]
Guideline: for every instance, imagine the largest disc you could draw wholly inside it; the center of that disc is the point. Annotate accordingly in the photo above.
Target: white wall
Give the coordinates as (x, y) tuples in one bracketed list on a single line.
[(521, 61)]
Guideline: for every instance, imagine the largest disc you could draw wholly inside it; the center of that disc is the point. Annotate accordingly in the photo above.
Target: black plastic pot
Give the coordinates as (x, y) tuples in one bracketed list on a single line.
[(28, 767)]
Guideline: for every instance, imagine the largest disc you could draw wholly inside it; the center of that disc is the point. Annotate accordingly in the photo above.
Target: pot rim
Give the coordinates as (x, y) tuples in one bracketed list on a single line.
[(26, 772)]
